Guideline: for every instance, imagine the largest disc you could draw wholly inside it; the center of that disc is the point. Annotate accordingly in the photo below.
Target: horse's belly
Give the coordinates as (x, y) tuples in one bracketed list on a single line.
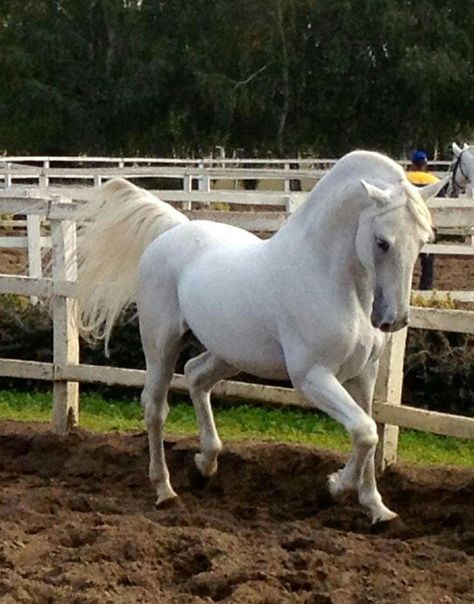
[(244, 344), (224, 305)]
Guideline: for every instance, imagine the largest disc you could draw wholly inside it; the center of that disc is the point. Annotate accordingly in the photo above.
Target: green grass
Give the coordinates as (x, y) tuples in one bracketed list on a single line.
[(237, 422)]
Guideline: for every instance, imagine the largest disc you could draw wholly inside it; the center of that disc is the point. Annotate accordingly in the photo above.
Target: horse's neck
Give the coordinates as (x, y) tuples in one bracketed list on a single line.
[(323, 233)]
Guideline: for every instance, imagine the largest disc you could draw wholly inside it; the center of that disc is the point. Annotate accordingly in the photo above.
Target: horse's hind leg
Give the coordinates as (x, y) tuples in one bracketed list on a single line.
[(202, 373), (162, 348)]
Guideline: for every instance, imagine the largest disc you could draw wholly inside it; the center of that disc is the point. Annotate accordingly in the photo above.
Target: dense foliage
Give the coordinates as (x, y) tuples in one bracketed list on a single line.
[(280, 76)]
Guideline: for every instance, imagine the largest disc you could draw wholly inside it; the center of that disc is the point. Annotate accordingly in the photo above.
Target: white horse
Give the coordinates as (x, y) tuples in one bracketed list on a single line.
[(462, 176), (313, 304)]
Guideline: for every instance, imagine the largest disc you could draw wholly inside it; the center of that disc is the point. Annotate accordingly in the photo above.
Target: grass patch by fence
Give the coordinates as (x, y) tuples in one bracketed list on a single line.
[(236, 422)]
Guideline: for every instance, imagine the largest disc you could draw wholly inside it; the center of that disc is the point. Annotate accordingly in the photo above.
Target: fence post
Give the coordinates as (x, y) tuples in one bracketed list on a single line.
[(286, 182), (388, 388), (8, 177), (290, 204), (33, 234), (44, 178), (188, 187), (66, 336)]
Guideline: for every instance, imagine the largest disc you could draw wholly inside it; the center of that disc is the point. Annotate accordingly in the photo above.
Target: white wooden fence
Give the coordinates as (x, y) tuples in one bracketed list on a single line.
[(66, 372), (46, 171), (449, 215)]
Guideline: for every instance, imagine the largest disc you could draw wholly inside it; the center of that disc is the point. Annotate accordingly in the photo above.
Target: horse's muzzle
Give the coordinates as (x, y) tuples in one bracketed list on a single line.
[(384, 319), (389, 324)]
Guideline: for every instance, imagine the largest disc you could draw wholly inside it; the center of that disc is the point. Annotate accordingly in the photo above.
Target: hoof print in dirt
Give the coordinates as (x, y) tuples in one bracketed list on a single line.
[(196, 480), (395, 528), (324, 498)]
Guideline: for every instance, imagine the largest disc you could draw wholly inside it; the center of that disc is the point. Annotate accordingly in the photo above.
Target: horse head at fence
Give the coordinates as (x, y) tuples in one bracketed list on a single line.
[(462, 176), (311, 304)]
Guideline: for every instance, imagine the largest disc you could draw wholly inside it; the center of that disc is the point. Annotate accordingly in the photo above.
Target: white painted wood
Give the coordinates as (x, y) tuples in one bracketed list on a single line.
[(388, 388), (409, 417), (33, 231), (66, 336), (25, 286), (22, 242), (31, 370), (449, 250), (458, 295), (460, 321), (187, 188), (286, 186), (427, 421), (439, 164)]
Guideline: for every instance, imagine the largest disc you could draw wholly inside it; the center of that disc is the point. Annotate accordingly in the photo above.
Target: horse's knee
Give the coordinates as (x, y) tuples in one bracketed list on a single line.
[(365, 433)]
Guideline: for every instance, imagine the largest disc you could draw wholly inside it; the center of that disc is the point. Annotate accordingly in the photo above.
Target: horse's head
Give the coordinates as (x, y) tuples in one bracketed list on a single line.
[(391, 232), (463, 168)]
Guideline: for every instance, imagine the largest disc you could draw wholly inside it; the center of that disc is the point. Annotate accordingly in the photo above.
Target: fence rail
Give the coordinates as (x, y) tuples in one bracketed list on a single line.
[(66, 372), (41, 172)]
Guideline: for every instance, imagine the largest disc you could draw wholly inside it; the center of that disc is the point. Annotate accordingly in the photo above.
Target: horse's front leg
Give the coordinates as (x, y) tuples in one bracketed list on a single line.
[(322, 388), (362, 390)]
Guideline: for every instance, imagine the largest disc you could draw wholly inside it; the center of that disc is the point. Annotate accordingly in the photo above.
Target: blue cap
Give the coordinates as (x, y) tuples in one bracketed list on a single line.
[(419, 156)]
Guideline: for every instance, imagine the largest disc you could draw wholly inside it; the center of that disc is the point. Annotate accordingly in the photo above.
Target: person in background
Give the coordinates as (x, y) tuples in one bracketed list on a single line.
[(419, 176)]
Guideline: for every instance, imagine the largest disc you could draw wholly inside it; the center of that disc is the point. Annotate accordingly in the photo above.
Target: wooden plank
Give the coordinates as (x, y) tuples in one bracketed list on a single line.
[(31, 370), (34, 249), (28, 172), (458, 295), (22, 242), (451, 213), (389, 388), (410, 417), (260, 198), (25, 286), (253, 221), (442, 164), (66, 335), (461, 321), (426, 421), (448, 250)]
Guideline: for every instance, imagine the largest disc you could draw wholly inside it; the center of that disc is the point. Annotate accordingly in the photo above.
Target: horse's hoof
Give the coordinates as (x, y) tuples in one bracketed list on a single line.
[(164, 504), (395, 528), (197, 480), (324, 498)]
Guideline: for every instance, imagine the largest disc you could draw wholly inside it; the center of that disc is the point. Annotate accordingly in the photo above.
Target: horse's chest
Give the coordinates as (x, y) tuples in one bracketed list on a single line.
[(365, 349)]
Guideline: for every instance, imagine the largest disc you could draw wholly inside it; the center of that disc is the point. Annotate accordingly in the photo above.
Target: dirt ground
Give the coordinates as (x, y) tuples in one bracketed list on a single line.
[(78, 525)]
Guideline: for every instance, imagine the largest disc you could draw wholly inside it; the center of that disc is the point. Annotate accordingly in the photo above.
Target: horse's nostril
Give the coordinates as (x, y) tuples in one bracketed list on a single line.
[(385, 327)]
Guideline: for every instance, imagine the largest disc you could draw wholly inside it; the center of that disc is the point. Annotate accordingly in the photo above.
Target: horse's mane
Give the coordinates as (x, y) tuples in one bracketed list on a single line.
[(416, 204)]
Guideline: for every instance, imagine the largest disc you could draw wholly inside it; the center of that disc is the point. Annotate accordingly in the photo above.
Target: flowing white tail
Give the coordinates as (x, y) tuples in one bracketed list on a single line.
[(114, 229)]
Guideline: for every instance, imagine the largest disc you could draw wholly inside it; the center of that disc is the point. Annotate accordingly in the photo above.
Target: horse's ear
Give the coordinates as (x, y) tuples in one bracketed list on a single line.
[(466, 146), (379, 195), (456, 150), (433, 189)]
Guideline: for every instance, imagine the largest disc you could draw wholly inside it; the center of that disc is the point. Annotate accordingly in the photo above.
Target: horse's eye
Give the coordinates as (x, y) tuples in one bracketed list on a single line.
[(382, 244)]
